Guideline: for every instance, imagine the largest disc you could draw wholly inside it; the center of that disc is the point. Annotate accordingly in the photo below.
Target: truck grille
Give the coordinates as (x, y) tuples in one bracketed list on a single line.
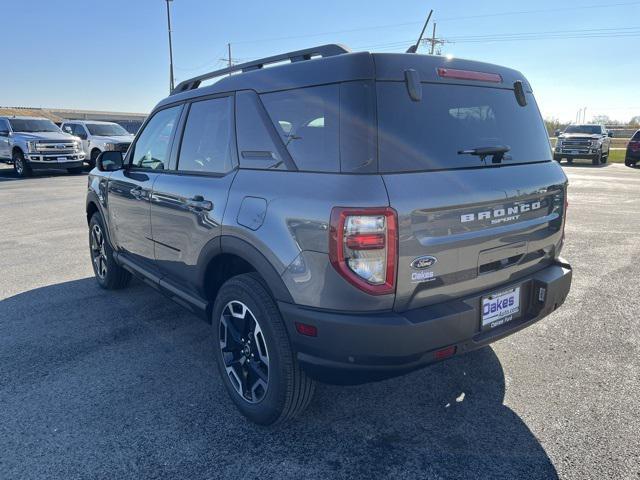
[(62, 148), (577, 143)]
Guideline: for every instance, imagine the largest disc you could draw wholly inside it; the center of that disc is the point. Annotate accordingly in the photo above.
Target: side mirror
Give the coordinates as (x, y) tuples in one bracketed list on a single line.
[(110, 161), (83, 136), (556, 133)]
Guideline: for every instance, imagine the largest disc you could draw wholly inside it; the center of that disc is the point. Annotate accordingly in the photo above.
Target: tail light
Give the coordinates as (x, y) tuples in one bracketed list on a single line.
[(363, 247), (469, 75)]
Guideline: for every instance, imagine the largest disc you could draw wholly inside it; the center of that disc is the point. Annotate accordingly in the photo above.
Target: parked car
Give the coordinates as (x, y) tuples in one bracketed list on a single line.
[(632, 156), (98, 137), (33, 143), (342, 217), (590, 142)]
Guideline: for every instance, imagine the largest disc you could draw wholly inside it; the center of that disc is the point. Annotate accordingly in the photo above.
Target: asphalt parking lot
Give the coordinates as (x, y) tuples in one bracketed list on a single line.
[(97, 384)]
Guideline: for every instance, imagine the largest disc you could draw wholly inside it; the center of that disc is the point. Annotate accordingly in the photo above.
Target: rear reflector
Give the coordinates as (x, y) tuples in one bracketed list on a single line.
[(445, 353), (306, 329), (371, 241), (469, 75)]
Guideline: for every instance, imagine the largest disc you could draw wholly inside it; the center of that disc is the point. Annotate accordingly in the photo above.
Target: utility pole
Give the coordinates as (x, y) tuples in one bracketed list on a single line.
[(433, 39), (436, 43), (171, 85)]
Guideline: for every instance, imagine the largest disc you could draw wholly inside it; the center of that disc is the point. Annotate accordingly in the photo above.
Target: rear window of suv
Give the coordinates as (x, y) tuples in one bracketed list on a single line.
[(427, 135)]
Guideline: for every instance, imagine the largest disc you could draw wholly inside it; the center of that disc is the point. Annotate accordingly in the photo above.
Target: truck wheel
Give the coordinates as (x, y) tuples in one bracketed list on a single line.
[(20, 165), (557, 159), (109, 274), (570, 161), (597, 160), (253, 353), (604, 158), (94, 157)]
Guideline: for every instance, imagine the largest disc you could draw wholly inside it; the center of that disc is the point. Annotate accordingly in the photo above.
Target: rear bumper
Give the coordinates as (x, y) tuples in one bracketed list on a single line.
[(355, 348)]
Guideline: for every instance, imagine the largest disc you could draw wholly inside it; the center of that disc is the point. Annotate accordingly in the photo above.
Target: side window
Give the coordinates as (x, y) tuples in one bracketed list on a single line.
[(78, 130), (307, 120), (207, 142), (636, 136), (151, 149), (67, 128), (4, 125), (256, 147)]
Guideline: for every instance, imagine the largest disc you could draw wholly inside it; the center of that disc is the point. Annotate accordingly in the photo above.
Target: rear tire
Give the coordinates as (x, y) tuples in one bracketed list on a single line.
[(109, 274), (20, 166), (248, 329)]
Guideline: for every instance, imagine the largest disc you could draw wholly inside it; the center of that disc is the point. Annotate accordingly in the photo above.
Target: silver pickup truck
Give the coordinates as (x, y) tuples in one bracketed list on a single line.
[(32, 143)]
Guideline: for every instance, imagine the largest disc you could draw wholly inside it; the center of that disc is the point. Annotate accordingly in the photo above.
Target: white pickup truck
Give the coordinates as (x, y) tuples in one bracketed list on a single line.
[(98, 137)]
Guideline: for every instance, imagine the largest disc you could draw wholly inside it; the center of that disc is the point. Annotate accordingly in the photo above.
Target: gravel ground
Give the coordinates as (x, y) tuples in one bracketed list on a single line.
[(96, 384)]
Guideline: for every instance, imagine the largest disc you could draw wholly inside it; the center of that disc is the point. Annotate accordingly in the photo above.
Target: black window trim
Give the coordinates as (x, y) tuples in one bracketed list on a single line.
[(128, 160), (286, 157)]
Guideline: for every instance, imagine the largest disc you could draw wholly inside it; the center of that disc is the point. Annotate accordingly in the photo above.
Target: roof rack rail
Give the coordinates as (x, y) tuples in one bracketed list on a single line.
[(328, 50)]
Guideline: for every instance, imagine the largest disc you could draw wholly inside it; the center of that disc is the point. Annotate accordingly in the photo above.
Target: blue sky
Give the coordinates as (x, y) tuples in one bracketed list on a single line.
[(112, 54)]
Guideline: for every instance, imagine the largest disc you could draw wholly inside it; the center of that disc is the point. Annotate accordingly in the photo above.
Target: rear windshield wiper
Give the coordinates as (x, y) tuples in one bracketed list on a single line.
[(496, 152)]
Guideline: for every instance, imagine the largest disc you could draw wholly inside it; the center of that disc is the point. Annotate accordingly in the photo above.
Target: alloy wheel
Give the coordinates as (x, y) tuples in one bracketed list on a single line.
[(98, 253), (244, 351), (19, 165)]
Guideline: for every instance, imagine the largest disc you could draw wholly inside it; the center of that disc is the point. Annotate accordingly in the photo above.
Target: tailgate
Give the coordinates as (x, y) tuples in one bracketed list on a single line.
[(468, 230)]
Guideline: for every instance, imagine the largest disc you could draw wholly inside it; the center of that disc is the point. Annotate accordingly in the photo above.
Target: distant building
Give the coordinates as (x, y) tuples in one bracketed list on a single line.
[(130, 121)]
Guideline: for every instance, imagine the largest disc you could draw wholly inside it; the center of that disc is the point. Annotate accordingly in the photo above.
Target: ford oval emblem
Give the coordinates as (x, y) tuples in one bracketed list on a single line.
[(421, 263)]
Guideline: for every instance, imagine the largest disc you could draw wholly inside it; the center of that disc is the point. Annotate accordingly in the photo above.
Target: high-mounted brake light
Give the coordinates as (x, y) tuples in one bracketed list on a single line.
[(363, 247), (469, 75)]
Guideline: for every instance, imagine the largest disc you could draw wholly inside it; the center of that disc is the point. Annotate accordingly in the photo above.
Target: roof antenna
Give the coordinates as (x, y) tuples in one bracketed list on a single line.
[(414, 48)]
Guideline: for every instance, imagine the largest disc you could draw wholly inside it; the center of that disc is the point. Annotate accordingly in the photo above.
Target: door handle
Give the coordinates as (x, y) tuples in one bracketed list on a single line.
[(136, 192), (199, 203)]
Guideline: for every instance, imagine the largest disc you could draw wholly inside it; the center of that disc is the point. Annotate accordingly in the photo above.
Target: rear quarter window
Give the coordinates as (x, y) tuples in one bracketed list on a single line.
[(307, 120), (427, 135)]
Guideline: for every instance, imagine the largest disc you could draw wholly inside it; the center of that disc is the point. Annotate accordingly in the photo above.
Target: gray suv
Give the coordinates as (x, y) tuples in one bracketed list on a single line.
[(341, 217)]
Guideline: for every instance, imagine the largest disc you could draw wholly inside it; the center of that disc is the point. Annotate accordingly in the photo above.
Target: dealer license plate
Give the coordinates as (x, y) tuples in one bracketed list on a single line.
[(500, 308)]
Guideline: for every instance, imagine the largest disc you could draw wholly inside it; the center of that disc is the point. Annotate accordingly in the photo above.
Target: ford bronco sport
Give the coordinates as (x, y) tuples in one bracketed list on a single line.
[(342, 217)]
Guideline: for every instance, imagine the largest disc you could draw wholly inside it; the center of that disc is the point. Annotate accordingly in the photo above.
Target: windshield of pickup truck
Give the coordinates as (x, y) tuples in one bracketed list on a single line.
[(428, 134), (106, 130), (32, 125), (586, 129)]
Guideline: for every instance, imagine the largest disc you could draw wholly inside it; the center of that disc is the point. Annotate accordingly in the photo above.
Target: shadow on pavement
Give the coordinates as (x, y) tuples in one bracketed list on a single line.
[(123, 385), (585, 164), (7, 173)]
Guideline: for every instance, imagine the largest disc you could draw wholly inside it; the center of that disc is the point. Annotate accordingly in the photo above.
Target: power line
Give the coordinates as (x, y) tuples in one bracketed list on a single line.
[(620, 32), (445, 19)]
